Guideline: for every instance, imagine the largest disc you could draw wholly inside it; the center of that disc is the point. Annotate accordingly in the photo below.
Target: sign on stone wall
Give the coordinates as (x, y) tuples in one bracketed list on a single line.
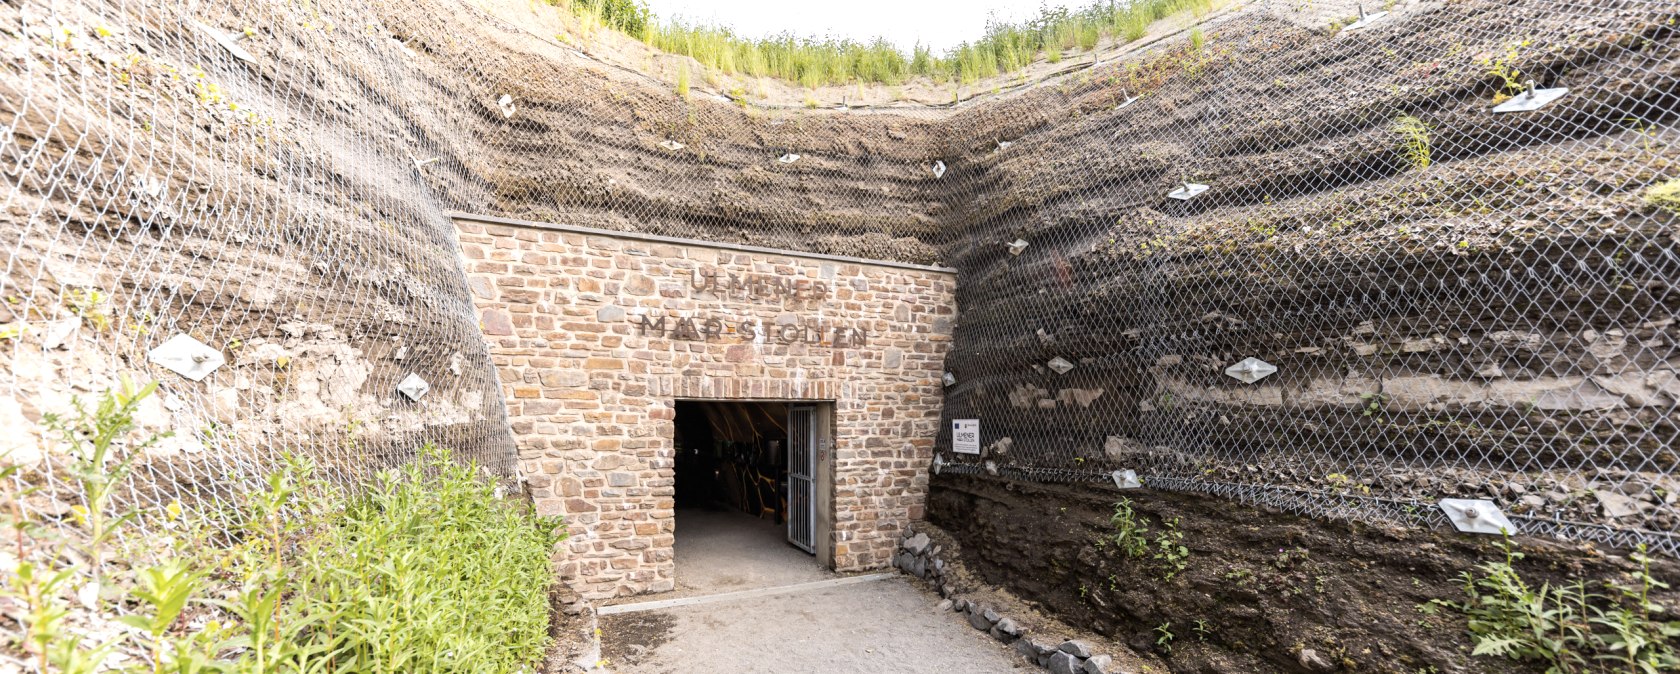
[(965, 436)]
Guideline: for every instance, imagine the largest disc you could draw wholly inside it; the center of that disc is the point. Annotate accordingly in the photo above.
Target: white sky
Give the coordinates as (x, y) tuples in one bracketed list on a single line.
[(940, 24)]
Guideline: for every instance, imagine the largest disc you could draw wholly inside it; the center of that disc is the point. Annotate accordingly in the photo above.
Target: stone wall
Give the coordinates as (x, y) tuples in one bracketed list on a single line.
[(595, 335)]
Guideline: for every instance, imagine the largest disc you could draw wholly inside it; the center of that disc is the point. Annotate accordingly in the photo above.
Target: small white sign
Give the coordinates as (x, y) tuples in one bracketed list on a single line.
[(965, 436)]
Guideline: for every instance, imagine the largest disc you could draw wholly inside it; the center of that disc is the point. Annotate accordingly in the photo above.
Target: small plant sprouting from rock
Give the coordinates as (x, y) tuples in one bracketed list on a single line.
[(1414, 140), (1664, 196), (1131, 533), (682, 81), (1502, 66), (1569, 628), (1166, 636), (89, 304), (1170, 550), (1373, 403), (1131, 538)]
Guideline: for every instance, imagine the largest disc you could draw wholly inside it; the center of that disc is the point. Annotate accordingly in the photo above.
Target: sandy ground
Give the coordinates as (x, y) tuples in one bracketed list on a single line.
[(873, 627), (868, 628)]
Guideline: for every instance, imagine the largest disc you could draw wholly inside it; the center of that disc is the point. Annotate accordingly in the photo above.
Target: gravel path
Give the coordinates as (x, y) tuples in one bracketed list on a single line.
[(877, 627)]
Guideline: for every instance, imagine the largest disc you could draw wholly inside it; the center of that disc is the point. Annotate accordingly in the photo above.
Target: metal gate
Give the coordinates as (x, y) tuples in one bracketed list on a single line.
[(802, 464)]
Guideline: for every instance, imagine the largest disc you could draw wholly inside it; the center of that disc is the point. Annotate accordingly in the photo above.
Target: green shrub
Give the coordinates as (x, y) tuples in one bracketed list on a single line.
[(427, 571), (1131, 532), (424, 570), (629, 16)]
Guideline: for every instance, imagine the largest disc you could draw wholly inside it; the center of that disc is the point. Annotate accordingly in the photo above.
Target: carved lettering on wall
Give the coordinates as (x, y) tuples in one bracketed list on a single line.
[(792, 292)]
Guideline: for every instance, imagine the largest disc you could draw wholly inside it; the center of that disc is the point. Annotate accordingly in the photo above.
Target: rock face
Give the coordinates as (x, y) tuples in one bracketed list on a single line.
[(1486, 347)]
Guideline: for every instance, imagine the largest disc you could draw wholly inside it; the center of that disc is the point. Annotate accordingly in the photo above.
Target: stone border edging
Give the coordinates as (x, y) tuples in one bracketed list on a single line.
[(918, 556)]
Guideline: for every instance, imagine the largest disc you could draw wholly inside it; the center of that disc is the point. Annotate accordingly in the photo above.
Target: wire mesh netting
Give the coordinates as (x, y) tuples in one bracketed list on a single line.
[(243, 180), (1458, 302)]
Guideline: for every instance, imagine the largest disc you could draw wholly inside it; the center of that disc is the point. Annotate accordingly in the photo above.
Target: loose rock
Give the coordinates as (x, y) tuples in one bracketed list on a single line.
[(1314, 661), (1062, 662), (1076, 648), (1006, 630)]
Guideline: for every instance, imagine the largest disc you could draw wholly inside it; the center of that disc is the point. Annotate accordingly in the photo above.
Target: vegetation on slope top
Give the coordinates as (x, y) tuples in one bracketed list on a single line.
[(1004, 49)]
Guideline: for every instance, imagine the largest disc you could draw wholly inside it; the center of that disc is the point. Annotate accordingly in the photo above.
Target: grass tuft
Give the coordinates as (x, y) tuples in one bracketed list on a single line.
[(1665, 196), (1414, 140)]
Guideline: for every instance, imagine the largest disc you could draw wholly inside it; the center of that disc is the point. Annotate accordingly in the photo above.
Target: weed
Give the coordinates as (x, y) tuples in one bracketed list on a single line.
[(1169, 549), (163, 590), (1502, 66), (94, 437), (1131, 533), (1373, 403), (1202, 630), (1414, 140), (1560, 626), (1166, 636), (682, 80), (89, 304), (629, 16)]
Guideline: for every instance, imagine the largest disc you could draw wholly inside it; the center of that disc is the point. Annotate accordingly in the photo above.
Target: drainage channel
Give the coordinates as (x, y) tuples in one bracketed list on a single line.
[(742, 594)]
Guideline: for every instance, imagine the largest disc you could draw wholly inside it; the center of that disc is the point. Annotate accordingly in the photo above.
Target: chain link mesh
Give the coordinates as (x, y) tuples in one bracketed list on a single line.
[(1458, 302)]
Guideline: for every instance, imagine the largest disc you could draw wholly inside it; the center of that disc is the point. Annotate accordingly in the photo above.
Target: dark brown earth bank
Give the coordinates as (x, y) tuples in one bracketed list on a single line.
[(1258, 588)]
